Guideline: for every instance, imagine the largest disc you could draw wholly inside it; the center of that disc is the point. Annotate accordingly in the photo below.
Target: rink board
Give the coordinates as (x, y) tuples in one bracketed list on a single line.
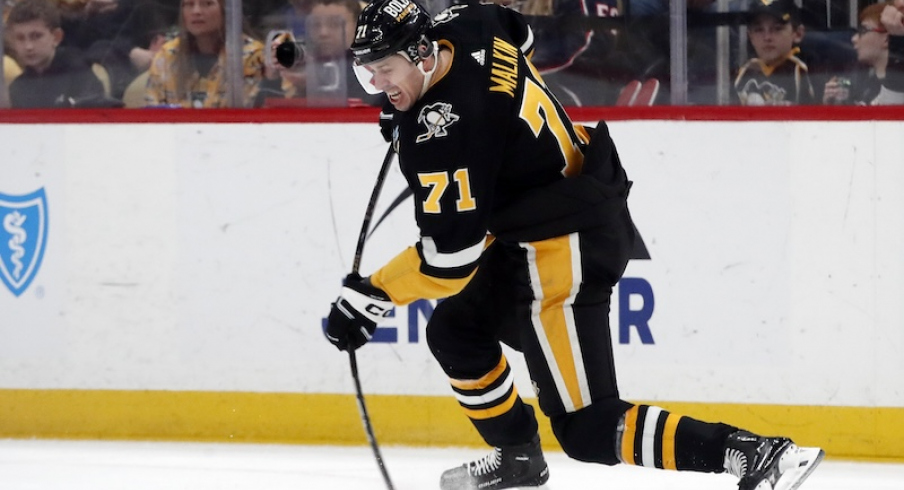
[(844, 432), (186, 267)]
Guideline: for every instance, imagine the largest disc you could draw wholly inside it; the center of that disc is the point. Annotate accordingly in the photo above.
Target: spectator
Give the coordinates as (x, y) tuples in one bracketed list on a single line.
[(776, 76), (52, 76), (189, 71), (330, 30), (871, 43), (893, 21)]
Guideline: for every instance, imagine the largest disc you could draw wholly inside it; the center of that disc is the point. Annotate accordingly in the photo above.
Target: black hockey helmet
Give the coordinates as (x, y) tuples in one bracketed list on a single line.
[(387, 27)]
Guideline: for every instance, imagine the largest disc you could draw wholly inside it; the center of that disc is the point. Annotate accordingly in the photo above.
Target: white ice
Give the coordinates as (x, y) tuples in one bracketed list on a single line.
[(92, 465)]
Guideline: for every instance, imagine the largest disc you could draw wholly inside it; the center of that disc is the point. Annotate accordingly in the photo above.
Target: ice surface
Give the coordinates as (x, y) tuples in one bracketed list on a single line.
[(91, 465)]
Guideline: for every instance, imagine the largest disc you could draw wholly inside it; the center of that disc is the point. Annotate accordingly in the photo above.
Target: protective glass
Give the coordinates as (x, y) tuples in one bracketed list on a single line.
[(387, 72)]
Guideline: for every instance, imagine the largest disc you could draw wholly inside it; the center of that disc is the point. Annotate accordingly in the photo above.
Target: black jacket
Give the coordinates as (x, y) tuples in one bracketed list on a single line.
[(894, 76), (67, 82)]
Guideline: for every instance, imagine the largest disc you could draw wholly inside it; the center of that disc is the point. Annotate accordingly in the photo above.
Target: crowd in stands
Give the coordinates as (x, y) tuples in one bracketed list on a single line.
[(172, 53)]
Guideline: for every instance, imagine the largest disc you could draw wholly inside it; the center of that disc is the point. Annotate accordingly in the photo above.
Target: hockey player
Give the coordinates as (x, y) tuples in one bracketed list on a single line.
[(486, 149)]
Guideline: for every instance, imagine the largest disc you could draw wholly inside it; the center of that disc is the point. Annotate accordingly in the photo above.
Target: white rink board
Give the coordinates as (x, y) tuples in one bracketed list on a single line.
[(203, 257)]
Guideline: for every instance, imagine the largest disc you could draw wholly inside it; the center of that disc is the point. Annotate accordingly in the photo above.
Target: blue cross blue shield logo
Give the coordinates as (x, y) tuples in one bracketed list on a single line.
[(23, 236)]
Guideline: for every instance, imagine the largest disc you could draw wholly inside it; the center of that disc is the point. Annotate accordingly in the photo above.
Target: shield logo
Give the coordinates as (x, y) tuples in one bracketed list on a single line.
[(23, 236)]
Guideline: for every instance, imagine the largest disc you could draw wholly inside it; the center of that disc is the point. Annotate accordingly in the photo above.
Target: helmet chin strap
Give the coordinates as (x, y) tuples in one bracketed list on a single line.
[(428, 75)]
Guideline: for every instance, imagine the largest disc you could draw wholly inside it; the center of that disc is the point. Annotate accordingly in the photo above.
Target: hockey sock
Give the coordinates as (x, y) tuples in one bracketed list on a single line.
[(494, 407), (652, 437)]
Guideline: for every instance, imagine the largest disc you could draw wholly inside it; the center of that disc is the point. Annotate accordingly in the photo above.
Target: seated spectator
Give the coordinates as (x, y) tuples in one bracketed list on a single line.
[(189, 71), (325, 77), (776, 76), (871, 43), (52, 76), (893, 22), (328, 71)]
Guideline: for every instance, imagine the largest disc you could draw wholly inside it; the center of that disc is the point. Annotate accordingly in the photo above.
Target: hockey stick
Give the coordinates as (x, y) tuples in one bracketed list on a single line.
[(371, 205), (352, 360), (405, 194)]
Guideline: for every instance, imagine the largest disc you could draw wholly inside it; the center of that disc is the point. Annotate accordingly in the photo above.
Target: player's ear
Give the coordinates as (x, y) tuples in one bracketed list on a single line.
[(425, 48), (57, 36)]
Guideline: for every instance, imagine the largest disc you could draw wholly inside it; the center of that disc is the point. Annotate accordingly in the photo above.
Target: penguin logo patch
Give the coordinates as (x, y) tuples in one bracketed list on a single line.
[(437, 117)]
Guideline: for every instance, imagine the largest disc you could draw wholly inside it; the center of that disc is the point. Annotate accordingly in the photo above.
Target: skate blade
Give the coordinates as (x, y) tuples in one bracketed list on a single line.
[(810, 457), (545, 486)]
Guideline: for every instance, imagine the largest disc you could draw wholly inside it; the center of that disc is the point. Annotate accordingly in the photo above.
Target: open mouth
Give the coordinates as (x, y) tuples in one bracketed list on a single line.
[(394, 96)]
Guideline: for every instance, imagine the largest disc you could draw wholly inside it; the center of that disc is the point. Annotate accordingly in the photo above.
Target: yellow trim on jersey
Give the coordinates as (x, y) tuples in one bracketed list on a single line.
[(442, 43), (488, 413), (581, 131), (402, 280), (768, 69), (484, 381)]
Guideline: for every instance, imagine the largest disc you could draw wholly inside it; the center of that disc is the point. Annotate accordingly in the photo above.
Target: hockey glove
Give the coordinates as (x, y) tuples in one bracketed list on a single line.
[(355, 314)]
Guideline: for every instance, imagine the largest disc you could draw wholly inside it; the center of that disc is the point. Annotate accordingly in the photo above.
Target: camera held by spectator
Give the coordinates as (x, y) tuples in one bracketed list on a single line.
[(289, 52)]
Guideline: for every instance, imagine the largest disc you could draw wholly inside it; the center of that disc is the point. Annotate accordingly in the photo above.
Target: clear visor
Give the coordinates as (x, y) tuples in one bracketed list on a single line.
[(376, 77)]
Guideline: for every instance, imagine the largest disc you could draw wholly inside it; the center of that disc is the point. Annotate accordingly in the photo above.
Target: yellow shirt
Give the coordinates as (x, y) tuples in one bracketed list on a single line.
[(208, 91)]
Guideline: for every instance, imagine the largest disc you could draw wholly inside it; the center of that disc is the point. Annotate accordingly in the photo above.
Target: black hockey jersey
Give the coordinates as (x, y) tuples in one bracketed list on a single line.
[(488, 149), (786, 83)]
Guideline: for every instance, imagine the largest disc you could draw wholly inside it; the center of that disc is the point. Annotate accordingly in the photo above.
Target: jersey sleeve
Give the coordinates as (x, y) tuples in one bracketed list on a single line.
[(402, 279), (518, 29)]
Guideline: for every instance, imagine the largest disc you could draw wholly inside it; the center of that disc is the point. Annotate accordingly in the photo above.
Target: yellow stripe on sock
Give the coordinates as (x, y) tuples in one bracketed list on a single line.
[(627, 444), (668, 442), (494, 411), (482, 382)]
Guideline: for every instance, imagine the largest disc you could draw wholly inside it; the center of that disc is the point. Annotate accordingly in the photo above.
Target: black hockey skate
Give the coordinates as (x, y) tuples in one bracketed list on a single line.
[(520, 466), (769, 463)]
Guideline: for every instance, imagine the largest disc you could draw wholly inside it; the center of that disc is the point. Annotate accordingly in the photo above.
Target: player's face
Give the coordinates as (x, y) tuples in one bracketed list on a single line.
[(395, 75), (34, 43), (772, 39)]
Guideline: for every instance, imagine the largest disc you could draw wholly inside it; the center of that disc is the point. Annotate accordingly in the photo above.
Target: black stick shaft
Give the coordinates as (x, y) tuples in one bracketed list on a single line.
[(371, 205), (352, 360), (365, 419)]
